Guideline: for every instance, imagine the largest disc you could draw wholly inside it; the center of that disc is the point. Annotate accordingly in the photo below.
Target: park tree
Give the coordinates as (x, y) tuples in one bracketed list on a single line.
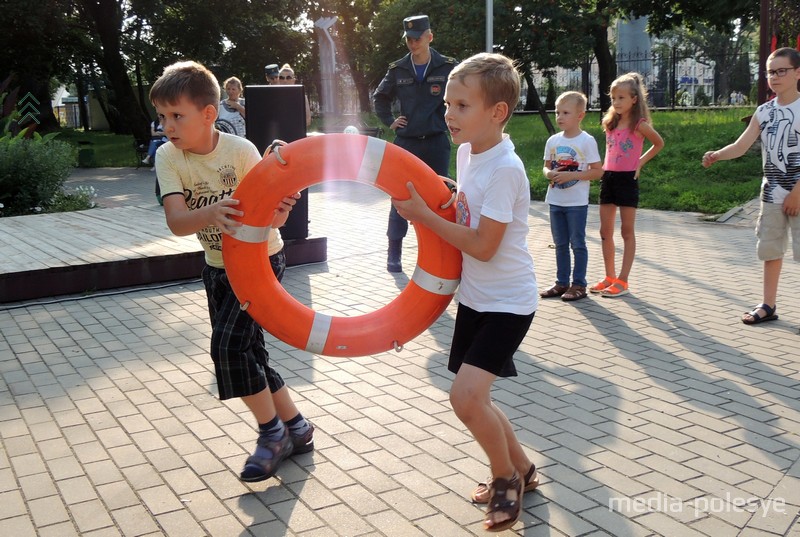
[(352, 34), (34, 40), (106, 19), (729, 52), (110, 46)]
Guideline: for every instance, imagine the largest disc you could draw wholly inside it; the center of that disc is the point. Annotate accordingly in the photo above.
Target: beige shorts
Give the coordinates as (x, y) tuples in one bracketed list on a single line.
[(772, 230)]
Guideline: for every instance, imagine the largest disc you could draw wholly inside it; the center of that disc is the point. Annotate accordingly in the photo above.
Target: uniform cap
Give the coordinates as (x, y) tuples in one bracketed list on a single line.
[(271, 70), (415, 26)]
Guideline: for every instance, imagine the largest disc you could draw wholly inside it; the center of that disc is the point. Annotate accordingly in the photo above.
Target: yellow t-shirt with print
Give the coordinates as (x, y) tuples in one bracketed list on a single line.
[(206, 179)]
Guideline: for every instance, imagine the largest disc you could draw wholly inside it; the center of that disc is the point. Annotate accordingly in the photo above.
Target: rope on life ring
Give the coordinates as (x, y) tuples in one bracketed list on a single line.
[(339, 157)]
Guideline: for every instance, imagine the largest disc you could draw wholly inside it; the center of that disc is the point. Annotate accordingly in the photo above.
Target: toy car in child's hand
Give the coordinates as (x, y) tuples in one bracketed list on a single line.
[(566, 165)]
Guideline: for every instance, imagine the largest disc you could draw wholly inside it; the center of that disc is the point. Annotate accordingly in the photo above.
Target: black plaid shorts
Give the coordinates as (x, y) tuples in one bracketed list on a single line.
[(241, 360)]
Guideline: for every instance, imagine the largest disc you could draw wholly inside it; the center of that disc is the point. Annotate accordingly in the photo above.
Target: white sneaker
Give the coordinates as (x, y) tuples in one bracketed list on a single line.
[(146, 160)]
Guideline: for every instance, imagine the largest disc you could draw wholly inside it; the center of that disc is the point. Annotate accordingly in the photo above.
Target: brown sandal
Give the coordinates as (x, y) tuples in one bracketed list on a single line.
[(556, 290), (575, 292), (481, 492), (501, 503)]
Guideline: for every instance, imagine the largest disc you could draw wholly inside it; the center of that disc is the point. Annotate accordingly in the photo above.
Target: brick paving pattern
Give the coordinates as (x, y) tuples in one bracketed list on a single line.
[(658, 413)]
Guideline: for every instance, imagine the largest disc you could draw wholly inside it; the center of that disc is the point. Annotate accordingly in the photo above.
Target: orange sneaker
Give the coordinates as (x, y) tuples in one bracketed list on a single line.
[(599, 286), (618, 288)]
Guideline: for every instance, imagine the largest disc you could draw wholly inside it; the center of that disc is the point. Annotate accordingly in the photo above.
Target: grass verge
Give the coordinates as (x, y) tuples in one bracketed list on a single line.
[(674, 180)]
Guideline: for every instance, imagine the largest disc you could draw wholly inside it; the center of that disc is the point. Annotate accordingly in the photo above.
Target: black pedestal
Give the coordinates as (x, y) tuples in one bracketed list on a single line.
[(278, 113)]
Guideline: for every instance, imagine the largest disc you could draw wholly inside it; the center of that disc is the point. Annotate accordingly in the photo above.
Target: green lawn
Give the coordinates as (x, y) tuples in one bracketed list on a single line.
[(674, 180), (110, 150)]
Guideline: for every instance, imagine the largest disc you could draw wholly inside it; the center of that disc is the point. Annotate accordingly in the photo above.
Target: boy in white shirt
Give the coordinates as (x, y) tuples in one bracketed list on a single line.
[(498, 294), (571, 160), (777, 123)]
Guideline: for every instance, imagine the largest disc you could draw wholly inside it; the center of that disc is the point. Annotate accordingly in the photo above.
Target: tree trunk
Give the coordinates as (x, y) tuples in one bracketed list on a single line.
[(606, 65), (533, 102), (83, 109), (39, 116), (362, 88), (106, 16)]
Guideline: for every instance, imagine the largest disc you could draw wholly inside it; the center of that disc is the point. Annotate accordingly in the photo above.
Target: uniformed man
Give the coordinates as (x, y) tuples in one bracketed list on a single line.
[(271, 73), (417, 81)]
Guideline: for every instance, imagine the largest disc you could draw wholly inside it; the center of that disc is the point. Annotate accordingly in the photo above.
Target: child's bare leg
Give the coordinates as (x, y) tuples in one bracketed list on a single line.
[(608, 216), (518, 456), (772, 273), (261, 405), (470, 398), (284, 405), (627, 216)]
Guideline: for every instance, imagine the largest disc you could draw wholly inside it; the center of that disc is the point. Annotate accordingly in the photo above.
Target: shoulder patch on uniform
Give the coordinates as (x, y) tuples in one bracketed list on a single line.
[(449, 59), (394, 64)]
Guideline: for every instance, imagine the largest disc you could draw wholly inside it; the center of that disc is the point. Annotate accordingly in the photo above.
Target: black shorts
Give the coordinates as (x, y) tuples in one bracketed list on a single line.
[(487, 340), (620, 188)]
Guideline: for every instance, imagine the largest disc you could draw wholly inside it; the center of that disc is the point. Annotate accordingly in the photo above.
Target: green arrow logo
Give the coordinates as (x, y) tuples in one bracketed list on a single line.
[(26, 104)]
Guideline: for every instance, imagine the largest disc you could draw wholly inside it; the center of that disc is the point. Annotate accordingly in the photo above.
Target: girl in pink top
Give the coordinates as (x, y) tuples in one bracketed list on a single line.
[(627, 126)]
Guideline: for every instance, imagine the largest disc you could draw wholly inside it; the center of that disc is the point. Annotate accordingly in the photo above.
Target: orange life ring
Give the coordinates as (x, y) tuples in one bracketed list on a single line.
[(339, 157)]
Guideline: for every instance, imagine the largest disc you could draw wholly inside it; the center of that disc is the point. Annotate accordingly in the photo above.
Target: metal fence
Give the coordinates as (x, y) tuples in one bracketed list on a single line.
[(673, 79)]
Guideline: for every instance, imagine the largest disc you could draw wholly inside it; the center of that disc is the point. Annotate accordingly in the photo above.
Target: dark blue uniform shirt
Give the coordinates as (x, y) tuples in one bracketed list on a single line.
[(421, 102)]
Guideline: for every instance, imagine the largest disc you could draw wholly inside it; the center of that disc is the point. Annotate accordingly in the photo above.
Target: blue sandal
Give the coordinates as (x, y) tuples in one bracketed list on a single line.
[(769, 314), (259, 468)]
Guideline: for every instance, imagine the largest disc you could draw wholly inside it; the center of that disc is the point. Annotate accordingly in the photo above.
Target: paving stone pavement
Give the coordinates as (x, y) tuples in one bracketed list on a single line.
[(658, 413)]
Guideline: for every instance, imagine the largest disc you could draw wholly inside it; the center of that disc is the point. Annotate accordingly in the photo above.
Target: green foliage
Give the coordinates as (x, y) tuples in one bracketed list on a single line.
[(674, 180), (109, 149), (32, 168), (701, 98), (32, 172), (82, 198)]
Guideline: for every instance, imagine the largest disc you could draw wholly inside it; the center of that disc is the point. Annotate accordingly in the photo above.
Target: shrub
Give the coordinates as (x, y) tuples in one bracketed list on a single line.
[(32, 167), (32, 173), (78, 200)]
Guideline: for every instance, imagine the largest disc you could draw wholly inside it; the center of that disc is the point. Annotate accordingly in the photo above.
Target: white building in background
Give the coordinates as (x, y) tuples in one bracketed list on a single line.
[(634, 47)]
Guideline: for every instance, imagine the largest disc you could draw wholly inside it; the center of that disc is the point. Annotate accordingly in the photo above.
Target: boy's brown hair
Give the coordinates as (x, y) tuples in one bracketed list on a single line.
[(498, 78), (186, 79), (789, 53), (575, 97)]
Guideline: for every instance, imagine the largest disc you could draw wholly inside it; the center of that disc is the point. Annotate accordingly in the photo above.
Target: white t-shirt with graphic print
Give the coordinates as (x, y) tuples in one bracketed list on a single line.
[(574, 154), (780, 149)]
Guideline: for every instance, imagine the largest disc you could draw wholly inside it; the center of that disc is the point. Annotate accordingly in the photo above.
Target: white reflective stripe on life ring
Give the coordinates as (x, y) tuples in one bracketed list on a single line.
[(252, 234), (320, 329), (371, 163), (434, 284)]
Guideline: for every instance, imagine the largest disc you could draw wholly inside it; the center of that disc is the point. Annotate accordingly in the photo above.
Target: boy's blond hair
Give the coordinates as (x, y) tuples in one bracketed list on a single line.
[(186, 79), (497, 76), (575, 97)]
